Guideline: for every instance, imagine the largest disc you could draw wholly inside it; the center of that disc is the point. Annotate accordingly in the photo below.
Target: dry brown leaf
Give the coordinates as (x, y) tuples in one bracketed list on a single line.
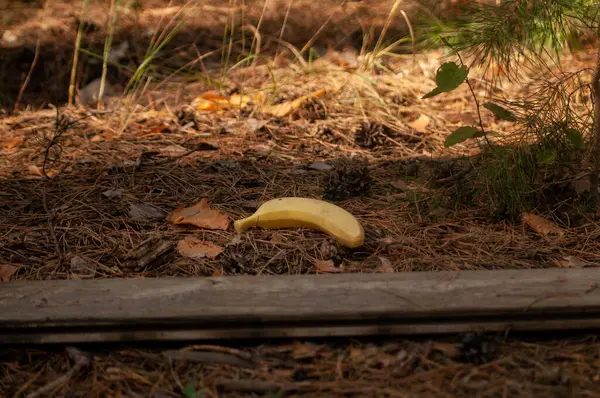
[(286, 108), (218, 272), (200, 215), (161, 128), (326, 266), (541, 225), (386, 265), (37, 171), (571, 262), (421, 123), (305, 350), (356, 354), (144, 211), (6, 272), (196, 248), (400, 185), (213, 101), (13, 143), (105, 136)]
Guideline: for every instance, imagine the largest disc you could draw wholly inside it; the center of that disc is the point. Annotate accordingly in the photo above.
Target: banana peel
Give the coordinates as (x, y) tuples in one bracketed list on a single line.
[(295, 212)]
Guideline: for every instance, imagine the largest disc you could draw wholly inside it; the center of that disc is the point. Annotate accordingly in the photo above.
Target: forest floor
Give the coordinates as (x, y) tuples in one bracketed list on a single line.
[(86, 192)]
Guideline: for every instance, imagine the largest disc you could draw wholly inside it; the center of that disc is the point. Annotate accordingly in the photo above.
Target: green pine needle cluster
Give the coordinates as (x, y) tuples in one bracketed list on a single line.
[(519, 30)]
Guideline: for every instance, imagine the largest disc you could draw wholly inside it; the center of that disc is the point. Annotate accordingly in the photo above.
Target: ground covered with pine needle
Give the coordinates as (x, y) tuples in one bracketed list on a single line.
[(87, 193)]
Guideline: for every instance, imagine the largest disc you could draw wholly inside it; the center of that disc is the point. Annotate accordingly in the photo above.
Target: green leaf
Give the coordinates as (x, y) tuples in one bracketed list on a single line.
[(190, 390), (575, 137), (432, 93), (449, 76), (500, 112), (460, 135)]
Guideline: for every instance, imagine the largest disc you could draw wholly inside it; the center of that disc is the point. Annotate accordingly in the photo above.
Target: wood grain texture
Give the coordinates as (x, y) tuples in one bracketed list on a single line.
[(298, 306)]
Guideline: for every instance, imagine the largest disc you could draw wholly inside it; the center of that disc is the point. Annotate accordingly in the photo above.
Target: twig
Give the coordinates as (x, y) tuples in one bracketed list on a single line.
[(476, 105), (81, 361), (210, 358), (72, 82), (28, 77), (596, 130), (113, 14)]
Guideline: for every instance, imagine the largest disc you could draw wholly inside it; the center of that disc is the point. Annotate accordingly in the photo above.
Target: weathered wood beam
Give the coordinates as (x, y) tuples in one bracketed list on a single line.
[(109, 310)]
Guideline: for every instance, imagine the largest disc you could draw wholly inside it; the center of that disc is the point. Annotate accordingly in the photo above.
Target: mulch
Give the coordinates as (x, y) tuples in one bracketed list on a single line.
[(84, 191)]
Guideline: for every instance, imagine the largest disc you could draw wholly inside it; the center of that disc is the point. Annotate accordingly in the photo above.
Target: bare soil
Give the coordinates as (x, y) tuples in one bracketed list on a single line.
[(73, 181)]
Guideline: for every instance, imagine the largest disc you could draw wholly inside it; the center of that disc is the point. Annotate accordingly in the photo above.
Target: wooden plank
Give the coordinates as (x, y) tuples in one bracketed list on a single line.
[(297, 306)]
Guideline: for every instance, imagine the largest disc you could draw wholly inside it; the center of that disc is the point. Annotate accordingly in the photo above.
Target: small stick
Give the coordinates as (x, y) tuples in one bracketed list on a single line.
[(81, 361), (28, 77)]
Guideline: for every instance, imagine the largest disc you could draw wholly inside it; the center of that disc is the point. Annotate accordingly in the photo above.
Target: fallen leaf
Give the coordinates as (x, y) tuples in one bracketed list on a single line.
[(113, 193), (13, 143), (212, 101), (161, 128), (320, 166), (200, 215), (386, 265), (218, 272), (196, 248), (149, 251), (286, 108), (305, 350), (82, 266), (143, 212), (399, 184), (35, 170), (326, 266), (421, 123), (571, 262), (6, 272), (541, 225), (356, 354), (446, 348), (173, 150)]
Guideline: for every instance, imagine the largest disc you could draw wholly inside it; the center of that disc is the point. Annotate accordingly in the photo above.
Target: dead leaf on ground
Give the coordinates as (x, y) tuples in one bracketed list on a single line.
[(541, 225), (399, 184), (386, 265), (161, 128), (286, 108), (421, 123), (320, 166), (10, 144), (305, 350), (144, 212), (173, 150), (213, 101), (113, 193), (356, 354), (35, 170), (6, 272), (200, 215), (571, 262), (326, 266), (196, 248), (149, 251), (82, 266)]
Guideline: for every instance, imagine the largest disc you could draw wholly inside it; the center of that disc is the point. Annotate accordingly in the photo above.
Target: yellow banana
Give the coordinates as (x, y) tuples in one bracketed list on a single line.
[(306, 213)]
